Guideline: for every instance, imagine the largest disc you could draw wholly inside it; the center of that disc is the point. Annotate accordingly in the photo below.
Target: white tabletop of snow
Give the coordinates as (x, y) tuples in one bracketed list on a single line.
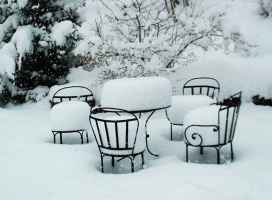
[(182, 104), (70, 115), (137, 94), (74, 91), (207, 115)]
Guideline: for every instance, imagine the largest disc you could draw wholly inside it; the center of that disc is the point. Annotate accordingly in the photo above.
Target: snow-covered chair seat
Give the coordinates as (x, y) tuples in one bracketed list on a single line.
[(182, 104), (137, 94), (197, 92), (70, 117), (118, 133), (212, 126), (68, 92)]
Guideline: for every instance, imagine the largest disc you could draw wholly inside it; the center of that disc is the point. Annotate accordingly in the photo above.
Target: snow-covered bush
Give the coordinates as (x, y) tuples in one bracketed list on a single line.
[(36, 40), (266, 7), (139, 38)]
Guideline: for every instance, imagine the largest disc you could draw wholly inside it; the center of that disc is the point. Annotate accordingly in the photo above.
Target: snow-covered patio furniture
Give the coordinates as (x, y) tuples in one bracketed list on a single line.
[(70, 117), (213, 126), (142, 96), (197, 92), (118, 135), (60, 93)]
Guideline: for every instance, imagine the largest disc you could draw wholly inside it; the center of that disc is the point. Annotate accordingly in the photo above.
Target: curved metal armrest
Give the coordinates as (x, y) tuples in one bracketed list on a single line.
[(195, 138)]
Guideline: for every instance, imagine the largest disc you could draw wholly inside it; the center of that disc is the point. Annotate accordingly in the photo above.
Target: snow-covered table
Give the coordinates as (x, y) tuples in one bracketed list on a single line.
[(138, 95)]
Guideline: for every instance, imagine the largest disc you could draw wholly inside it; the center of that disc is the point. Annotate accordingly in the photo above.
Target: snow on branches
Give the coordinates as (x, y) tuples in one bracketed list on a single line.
[(147, 34)]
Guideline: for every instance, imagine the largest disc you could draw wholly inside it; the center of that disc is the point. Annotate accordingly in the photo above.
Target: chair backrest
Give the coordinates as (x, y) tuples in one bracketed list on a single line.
[(228, 117), (114, 129), (69, 93), (202, 86)]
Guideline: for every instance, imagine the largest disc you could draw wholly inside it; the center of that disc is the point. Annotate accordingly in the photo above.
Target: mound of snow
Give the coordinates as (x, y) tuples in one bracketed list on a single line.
[(208, 116), (182, 104), (137, 93), (70, 115), (202, 116)]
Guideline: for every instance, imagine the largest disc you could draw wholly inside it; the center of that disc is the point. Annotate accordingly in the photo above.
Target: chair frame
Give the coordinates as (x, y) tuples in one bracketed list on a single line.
[(233, 102), (131, 156), (61, 98), (88, 98), (195, 89)]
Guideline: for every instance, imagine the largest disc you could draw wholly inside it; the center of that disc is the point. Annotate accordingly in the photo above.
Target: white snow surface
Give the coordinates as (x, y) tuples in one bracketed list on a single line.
[(32, 167), (182, 104), (70, 115), (137, 93)]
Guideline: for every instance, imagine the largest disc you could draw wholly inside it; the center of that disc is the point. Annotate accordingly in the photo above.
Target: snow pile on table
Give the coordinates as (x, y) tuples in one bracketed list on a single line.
[(137, 93), (70, 115), (182, 104), (111, 139)]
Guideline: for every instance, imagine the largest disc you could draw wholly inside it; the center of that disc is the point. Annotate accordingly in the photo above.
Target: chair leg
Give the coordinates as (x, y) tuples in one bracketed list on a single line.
[(187, 153), (201, 150), (54, 135), (81, 137), (171, 131), (218, 155), (143, 162), (60, 137), (87, 137), (102, 163), (131, 158), (112, 161), (231, 152)]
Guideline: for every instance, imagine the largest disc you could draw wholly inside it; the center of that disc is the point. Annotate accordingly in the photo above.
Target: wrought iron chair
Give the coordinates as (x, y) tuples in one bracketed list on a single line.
[(198, 86), (118, 135), (69, 93), (218, 133)]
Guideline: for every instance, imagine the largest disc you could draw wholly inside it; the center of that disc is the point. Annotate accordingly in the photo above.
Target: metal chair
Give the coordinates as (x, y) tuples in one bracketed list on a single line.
[(118, 135), (69, 93), (217, 134), (198, 86)]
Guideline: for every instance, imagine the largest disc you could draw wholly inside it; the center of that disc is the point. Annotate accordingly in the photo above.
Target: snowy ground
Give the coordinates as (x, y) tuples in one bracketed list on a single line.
[(32, 167)]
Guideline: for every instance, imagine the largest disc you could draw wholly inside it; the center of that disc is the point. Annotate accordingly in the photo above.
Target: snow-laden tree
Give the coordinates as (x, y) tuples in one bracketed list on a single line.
[(141, 37), (36, 40)]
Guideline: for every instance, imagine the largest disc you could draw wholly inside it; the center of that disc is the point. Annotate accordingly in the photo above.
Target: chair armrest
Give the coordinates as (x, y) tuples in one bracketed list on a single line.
[(194, 133)]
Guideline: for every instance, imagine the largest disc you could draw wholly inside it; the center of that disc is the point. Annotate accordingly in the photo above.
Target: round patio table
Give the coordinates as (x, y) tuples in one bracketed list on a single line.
[(141, 96)]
